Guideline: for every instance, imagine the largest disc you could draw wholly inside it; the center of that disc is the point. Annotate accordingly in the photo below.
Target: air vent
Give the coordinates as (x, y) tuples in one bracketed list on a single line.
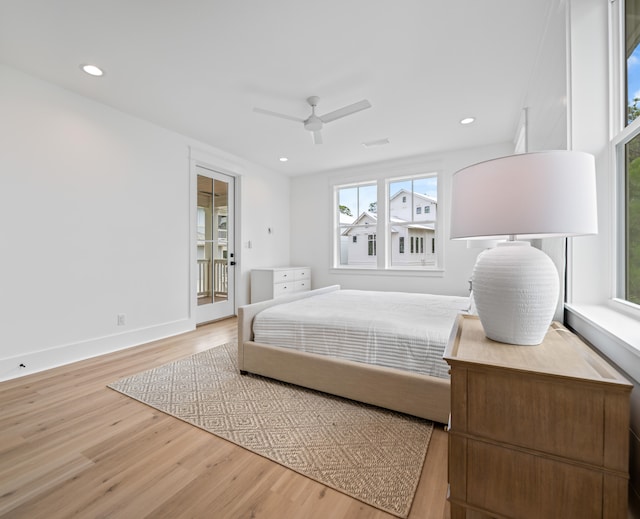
[(379, 142)]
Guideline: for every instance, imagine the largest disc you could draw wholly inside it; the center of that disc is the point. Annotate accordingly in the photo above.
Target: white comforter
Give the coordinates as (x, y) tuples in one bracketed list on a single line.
[(393, 329)]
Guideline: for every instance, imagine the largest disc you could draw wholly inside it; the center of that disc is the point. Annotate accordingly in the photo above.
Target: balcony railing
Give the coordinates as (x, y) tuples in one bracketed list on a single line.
[(220, 277)]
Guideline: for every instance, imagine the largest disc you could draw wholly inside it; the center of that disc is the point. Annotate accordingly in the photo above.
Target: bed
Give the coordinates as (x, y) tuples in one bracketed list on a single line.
[(300, 339)]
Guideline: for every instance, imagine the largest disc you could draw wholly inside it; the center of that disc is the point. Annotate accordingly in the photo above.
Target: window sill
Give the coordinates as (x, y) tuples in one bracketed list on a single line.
[(614, 334), (413, 272)]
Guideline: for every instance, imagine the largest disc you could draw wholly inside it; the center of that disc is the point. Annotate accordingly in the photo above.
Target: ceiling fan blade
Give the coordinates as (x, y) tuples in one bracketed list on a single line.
[(276, 114), (317, 137), (347, 110)]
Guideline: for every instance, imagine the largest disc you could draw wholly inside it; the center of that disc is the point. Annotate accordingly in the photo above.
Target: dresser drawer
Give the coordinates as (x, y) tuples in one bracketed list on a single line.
[(302, 274), (281, 276), (281, 289), (300, 286)]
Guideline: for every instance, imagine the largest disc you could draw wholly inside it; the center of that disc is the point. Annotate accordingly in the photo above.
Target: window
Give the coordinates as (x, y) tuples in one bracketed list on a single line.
[(390, 212), (371, 238), (628, 163), (356, 207), (408, 219), (629, 282)]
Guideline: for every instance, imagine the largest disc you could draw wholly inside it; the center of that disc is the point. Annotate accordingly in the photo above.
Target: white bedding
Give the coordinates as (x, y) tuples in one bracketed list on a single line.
[(398, 330)]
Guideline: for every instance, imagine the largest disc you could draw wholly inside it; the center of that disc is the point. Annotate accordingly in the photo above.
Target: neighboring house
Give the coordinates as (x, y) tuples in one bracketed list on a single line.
[(412, 218), (359, 245)]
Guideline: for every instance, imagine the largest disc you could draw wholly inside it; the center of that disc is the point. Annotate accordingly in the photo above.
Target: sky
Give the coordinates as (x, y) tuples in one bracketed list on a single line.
[(633, 75)]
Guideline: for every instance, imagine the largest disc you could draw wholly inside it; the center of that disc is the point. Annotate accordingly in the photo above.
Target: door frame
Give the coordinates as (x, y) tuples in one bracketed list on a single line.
[(215, 164)]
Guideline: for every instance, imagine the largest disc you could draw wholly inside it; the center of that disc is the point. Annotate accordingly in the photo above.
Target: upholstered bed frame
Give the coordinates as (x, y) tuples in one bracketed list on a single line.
[(419, 395)]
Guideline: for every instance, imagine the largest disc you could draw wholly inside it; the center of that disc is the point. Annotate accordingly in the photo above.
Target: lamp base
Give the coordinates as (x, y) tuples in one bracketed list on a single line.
[(515, 289)]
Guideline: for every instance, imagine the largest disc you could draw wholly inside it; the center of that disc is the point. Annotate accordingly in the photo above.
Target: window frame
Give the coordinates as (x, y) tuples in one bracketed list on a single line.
[(621, 133), (382, 180)]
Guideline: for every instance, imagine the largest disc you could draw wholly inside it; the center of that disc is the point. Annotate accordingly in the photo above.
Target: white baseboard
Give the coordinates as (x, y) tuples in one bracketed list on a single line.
[(35, 362)]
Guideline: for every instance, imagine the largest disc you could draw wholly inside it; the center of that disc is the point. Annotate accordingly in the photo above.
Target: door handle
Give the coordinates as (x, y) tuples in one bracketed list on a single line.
[(232, 263)]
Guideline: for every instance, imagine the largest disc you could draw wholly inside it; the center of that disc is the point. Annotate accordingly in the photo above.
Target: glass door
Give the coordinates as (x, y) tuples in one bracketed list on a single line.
[(214, 245)]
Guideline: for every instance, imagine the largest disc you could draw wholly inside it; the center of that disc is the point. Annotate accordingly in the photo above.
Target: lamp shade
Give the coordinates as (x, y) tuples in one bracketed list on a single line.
[(531, 195)]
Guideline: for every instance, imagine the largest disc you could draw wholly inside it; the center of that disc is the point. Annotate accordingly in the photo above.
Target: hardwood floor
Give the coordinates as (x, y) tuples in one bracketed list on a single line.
[(71, 447)]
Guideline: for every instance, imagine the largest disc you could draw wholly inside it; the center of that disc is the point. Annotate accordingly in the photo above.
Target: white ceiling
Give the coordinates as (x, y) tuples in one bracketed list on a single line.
[(199, 67)]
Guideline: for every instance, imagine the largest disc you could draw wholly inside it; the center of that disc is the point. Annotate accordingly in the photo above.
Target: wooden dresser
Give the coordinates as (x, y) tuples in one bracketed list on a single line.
[(269, 283), (535, 431)]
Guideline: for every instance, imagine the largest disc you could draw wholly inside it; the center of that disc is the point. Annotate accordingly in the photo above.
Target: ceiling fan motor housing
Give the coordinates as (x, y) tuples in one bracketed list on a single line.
[(313, 123)]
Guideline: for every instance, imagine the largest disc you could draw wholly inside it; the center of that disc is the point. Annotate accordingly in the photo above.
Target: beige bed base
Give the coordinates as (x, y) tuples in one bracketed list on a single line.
[(419, 395)]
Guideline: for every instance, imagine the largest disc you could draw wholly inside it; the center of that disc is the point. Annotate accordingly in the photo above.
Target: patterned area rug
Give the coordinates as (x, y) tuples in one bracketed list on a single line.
[(368, 453)]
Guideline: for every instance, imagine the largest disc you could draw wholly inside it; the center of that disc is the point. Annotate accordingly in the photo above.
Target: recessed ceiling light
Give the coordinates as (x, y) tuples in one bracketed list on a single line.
[(467, 120), (92, 70), (283, 159)]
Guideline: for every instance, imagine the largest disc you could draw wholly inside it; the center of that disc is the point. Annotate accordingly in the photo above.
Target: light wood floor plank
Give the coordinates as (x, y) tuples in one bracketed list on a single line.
[(71, 447)]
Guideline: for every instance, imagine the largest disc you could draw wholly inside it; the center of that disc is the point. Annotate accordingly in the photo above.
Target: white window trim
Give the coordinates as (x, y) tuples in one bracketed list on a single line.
[(383, 265), (616, 334), (380, 173)]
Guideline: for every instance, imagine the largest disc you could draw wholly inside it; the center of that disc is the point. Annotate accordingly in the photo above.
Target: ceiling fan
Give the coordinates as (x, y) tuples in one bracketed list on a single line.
[(314, 122)]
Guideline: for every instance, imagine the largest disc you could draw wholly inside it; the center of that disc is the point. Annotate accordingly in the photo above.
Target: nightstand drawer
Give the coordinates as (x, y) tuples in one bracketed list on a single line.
[(517, 484), (537, 413)]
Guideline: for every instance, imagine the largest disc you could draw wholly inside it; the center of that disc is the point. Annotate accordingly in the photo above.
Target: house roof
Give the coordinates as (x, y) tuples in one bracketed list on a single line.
[(426, 198), (393, 220), (359, 221)]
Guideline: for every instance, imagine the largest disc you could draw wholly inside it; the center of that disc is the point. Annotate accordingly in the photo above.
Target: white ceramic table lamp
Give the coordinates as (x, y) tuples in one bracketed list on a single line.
[(526, 196)]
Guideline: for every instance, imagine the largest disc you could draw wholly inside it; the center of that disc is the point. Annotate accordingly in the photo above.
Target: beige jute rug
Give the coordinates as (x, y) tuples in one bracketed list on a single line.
[(368, 453)]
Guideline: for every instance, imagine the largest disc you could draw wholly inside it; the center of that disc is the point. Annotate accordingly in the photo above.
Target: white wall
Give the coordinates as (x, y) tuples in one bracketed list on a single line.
[(546, 98), (312, 233), (94, 209), (265, 208)]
